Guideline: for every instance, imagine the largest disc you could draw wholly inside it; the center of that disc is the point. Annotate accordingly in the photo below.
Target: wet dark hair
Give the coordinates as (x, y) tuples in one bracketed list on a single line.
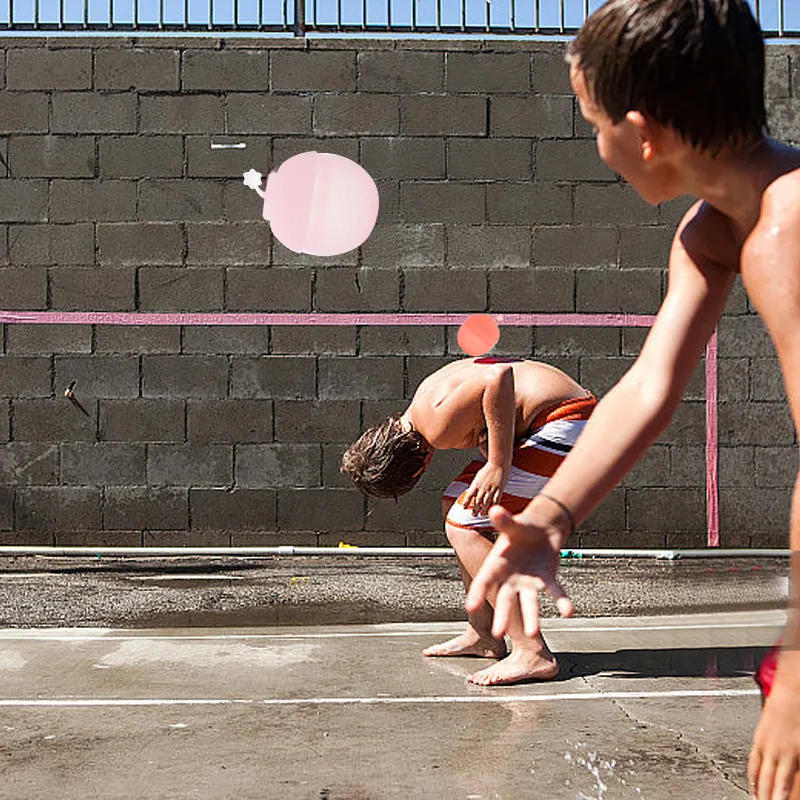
[(696, 66), (386, 461)]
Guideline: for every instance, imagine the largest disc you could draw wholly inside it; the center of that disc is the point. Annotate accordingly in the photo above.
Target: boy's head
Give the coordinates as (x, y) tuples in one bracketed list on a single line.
[(687, 70), (388, 459)]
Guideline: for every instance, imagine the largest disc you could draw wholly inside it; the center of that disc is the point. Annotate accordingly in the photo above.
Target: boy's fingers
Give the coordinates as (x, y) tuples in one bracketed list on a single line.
[(784, 777), (529, 607), (753, 768), (766, 777)]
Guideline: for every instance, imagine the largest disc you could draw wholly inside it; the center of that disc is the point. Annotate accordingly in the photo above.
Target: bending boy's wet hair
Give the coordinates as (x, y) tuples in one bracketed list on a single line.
[(387, 460), (696, 66)]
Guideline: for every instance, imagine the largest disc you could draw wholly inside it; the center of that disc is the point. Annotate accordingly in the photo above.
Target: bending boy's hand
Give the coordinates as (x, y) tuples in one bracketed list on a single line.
[(774, 766), (486, 489), (523, 562)]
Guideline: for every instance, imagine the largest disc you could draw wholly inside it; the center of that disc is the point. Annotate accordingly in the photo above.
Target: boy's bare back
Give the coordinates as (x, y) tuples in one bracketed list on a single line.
[(447, 406)]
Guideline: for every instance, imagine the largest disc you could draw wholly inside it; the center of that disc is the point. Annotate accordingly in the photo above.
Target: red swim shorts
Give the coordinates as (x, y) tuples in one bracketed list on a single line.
[(765, 675)]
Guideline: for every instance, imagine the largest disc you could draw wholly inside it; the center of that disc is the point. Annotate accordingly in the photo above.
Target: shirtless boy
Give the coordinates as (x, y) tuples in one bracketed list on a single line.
[(675, 92), (524, 417)]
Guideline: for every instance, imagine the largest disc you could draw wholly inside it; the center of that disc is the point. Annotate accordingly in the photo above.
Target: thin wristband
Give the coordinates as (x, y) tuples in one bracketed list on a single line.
[(563, 508)]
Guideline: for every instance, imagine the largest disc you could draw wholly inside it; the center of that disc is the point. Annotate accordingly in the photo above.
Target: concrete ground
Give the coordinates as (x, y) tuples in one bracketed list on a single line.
[(229, 704)]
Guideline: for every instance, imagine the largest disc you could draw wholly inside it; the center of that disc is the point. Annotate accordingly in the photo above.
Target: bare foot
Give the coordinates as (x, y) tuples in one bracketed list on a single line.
[(521, 665), (469, 643)]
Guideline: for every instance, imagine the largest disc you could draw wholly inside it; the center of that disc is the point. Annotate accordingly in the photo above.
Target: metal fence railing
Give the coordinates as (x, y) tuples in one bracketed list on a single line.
[(778, 18)]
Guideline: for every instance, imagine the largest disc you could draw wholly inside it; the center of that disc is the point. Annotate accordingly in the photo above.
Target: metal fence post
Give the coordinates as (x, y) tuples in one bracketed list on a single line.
[(299, 17)]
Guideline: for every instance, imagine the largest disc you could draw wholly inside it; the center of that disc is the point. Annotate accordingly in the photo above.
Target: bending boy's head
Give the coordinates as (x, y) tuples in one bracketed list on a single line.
[(388, 459), (695, 66)]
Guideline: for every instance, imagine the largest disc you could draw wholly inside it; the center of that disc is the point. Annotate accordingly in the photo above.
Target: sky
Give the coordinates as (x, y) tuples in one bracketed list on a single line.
[(352, 12)]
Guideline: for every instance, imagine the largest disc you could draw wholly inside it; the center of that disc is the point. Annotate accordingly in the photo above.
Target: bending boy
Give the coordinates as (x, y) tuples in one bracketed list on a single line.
[(524, 417), (675, 92)]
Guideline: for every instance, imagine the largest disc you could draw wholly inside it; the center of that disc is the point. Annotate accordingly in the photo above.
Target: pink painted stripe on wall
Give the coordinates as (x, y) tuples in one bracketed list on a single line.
[(581, 320)]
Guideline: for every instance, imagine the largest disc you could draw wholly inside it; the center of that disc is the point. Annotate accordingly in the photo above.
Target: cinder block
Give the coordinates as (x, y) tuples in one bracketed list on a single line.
[(755, 511), (24, 464), (190, 465), (93, 200), (48, 70), (51, 244), (288, 378), (777, 81), (645, 246), (93, 112), (186, 539), (795, 77), (366, 377), (268, 113), (230, 421), (417, 369), (532, 291), (666, 510), (550, 74), (34, 340), (619, 291), (181, 289), (776, 466), (433, 202), (269, 290), (239, 510), (487, 72), (419, 510), (736, 466), (737, 300), (138, 339), (599, 375), (767, 380), (403, 158), (103, 464), (764, 424), (688, 425), (93, 288), (190, 199), (688, 465), (783, 117), (228, 244), (313, 71), (184, 376), (653, 469), (194, 113), (58, 508), (398, 72), (25, 377), (443, 115), (332, 475), (366, 289), (140, 508), (311, 421), (5, 420), (54, 420), (203, 162), (574, 341), (219, 339), (418, 340), (98, 376), (142, 420), (97, 539), (274, 539), (400, 246), (148, 69), (320, 510), (375, 411), (489, 246), (314, 340), (25, 112), (744, 336), (537, 203), (140, 156), (612, 204), (608, 518), (570, 160), (490, 159), (568, 246), (269, 465), (360, 114), (443, 290), (51, 156), (539, 116), (127, 243), (733, 379), (6, 508), (218, 70), (23, 200)]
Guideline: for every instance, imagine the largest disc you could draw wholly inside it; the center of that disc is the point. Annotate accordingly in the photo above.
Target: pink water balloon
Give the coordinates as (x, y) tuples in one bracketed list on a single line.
[(319, 203), (478, 334)]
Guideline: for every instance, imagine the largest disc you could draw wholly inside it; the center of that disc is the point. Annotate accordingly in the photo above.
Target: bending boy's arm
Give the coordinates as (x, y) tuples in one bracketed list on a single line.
[(500, 412)]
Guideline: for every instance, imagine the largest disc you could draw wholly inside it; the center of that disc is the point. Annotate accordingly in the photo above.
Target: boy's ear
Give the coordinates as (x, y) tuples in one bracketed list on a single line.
[(648, 133)]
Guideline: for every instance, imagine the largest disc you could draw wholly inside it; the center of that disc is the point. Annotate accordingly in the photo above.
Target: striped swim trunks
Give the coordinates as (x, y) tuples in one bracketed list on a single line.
[(537, 455)]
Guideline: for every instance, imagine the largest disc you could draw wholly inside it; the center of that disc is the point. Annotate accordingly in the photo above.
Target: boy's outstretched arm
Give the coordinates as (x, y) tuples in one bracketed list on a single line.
[(628, 419), (499, 408)]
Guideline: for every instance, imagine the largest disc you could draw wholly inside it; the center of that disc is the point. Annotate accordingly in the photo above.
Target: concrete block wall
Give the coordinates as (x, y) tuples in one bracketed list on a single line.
[(493, 199)]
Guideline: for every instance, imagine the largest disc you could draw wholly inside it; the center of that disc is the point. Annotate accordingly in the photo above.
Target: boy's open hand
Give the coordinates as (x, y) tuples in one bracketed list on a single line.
[(774, 766), (486, 489), (523, 562)]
